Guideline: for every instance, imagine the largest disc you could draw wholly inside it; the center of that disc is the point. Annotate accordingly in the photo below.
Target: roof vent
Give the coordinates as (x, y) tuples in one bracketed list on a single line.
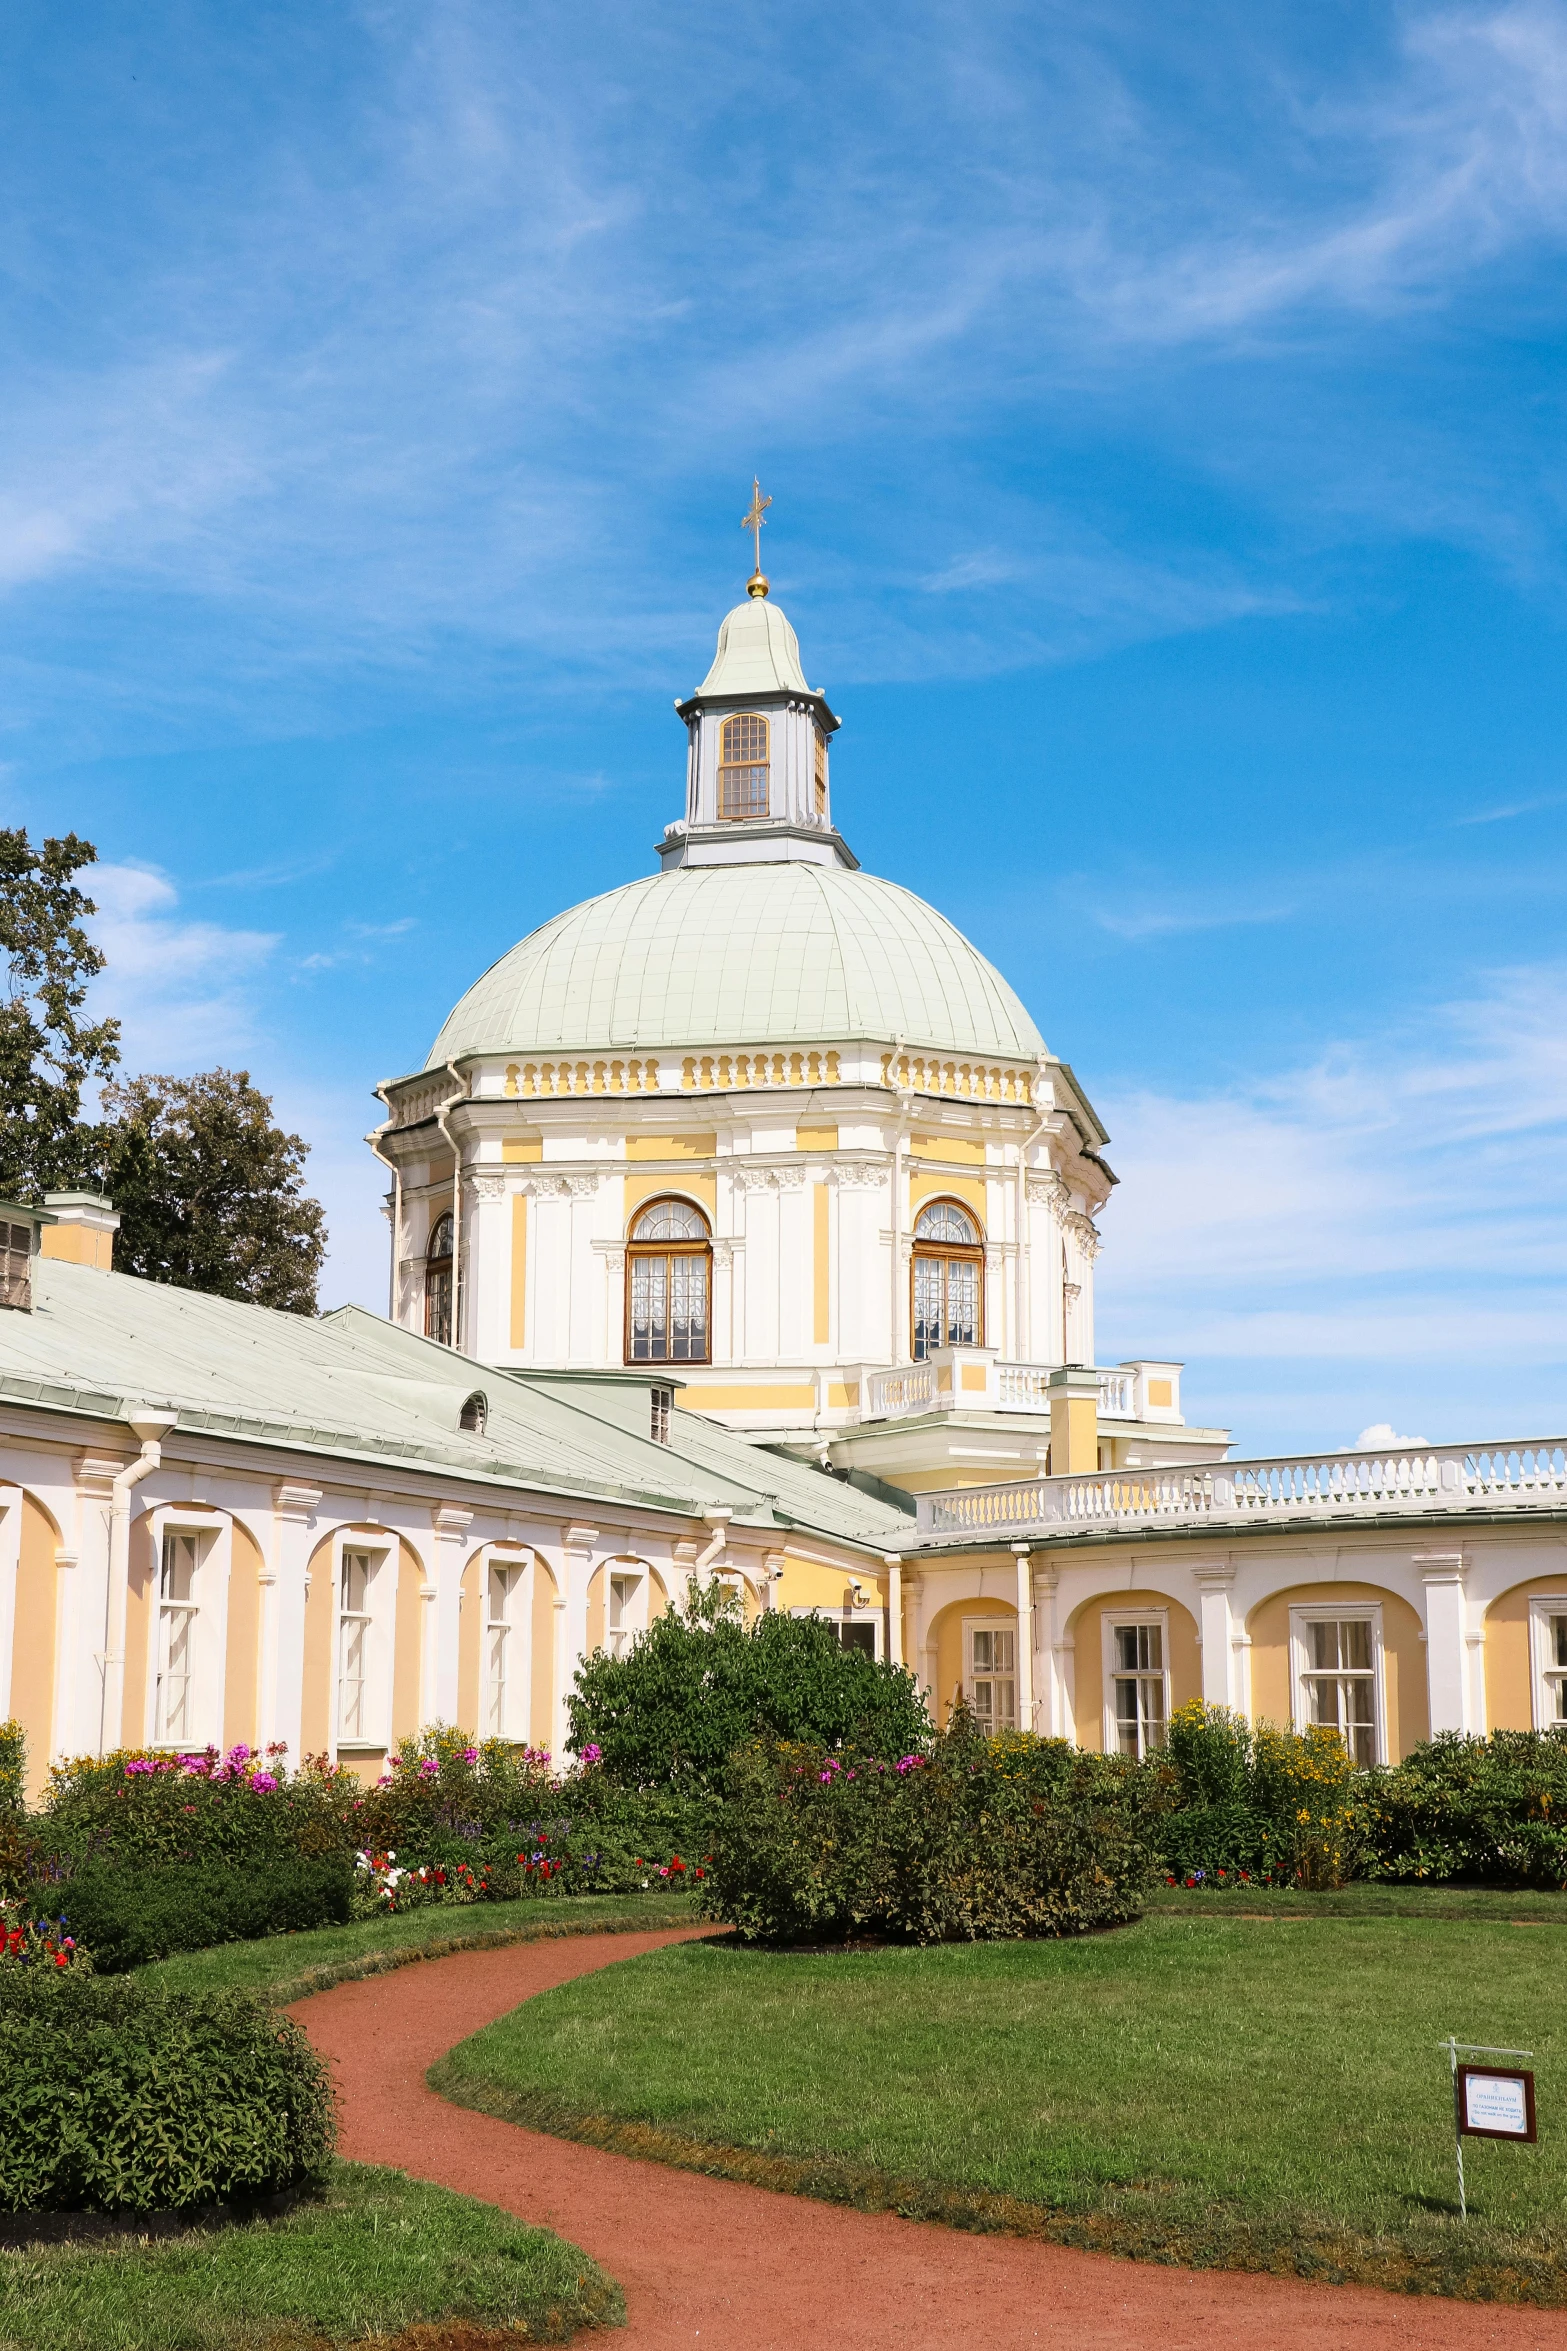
[(474, 1414), (80, 1228)]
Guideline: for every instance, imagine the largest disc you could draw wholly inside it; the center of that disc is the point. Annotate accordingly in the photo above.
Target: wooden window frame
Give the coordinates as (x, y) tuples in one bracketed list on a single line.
[(1303, 1672), (642, 1250), (1544, 1672), (974, 1674), (947, 1252), (439, 1268), (746, 767)]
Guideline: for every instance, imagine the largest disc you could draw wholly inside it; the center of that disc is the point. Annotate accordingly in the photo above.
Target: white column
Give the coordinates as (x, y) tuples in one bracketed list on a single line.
[(441, 1596), (283, 1591), (1048, 1678), (1447, 1656), (1218, 1633), (684, 1555), (571, 1621), (1025, 1639), (893, 1563)]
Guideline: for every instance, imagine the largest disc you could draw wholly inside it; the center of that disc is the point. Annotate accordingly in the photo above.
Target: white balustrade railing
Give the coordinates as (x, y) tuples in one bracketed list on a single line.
[(892, 1393), (1530, 1473), (1019, 1387)]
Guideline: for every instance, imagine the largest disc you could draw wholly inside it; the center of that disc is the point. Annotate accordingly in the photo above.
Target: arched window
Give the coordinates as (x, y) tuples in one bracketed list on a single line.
[(948, 1269), (475, 1413), (668, 1285), (742, 765), (438, 1283)]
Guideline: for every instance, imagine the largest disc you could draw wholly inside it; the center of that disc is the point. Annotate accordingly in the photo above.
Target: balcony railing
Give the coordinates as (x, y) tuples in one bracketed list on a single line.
[(1526, 1474), (1017, 1387)]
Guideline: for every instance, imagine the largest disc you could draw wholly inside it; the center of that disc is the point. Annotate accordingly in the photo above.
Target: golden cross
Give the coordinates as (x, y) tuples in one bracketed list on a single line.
[(754, 521)]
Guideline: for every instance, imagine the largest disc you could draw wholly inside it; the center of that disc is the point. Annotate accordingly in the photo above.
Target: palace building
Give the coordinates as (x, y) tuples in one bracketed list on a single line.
[(742, 1223)]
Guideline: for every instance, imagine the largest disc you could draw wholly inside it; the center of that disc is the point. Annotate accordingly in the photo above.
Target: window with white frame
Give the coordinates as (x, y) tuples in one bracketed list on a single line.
[(856, 1628), (1338, 1674), (1137, 1688), (501, 1588), (179, 1568), (355, 1631), (990, 1683), (1548, 1650), (620, 1614)]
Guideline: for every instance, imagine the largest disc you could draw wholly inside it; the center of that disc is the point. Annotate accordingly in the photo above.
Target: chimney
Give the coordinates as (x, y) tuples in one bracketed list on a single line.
[(81, 1229)]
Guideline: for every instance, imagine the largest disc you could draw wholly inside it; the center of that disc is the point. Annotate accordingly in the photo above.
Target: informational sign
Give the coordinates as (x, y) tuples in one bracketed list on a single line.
[(1496, 2103)]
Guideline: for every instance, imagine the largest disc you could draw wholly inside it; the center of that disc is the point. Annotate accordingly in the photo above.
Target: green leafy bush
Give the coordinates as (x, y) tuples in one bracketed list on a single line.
[(700, 1683), (143, 1808), (118, 2098), (13, 1767), (127, 1917), (972, 1839), (1281, 1807), (1473, 1811)]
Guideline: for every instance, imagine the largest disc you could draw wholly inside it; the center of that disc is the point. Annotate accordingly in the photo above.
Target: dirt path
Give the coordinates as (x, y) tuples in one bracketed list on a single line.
[(731, 2268)]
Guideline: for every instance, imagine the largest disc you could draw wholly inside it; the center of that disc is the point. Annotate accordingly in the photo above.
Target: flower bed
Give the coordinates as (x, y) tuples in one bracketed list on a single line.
[(973, 1838)]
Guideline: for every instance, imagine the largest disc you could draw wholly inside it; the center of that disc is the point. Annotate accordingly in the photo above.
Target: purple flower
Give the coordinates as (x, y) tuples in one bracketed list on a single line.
[(429, 1768), (137, 1764), (592, 1754), (264, 1781), (470, 1755)]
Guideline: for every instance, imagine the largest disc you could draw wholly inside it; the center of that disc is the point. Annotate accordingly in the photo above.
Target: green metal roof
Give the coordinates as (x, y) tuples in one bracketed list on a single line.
[(355, 1387), (766, 954), (758, 653)]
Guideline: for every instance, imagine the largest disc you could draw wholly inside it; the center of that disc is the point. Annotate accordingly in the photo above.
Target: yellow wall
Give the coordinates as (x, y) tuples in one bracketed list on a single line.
[(816, 1138), (32, 1651), (690, 1183), (951, 1150), (1086, 1626), (241, 1666), (695, 1397), (470, 1644), (543, 1694), (405, 1661), (522, 1150), (1408, 1712), (687, 1146), (141, 1610), (969, 1189), (1509, 1693), (519, 1269), (315, 1727), (598, 1600), (945, 1634)]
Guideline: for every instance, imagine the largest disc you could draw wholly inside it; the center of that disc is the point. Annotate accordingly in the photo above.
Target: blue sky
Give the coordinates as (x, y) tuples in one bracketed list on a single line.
[(1164, 411)]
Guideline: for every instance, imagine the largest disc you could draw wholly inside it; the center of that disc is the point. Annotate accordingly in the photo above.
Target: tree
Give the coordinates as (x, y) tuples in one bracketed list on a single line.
[(48, 1052), (209, 1191), (701, 1682)]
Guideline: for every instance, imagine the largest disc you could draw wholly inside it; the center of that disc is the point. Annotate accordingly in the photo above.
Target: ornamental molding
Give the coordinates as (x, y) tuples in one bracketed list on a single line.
[(547, 1187), (490, 1187), (859, 1176), (1084, 1231), (96, 1473), (296, 1501), (614, 1257), (1049, 1192), (582, 1187), (723, 1255), (754, 1179)]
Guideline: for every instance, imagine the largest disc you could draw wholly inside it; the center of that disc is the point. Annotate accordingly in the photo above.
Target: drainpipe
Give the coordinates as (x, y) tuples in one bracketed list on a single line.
[(718, 1520), (440, 1120), (149, 1426), (374, 1141), (1025, 1330)]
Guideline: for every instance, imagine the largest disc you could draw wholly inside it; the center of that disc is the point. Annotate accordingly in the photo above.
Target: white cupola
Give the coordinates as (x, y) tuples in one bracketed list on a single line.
[(757, 784)]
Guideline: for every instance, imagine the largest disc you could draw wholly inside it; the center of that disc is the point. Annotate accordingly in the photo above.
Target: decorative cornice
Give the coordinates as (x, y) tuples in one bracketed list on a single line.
[(1048, 1192), (299, 1502), (859, 1175), (490, 1187)]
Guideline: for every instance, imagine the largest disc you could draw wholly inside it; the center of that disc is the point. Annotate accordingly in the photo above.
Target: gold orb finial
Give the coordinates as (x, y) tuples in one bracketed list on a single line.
[(755, 522)]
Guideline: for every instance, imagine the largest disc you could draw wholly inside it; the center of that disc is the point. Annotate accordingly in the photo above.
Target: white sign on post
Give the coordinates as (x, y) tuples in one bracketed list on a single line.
[(1495, 2104)]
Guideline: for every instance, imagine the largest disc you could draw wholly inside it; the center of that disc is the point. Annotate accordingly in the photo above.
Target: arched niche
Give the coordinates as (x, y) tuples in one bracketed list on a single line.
[(1090, 1629), (1401, 1664)]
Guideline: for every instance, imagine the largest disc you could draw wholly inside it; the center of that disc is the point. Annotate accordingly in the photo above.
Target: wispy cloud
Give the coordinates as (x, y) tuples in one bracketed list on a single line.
[(1396, 1210), (184, 992)]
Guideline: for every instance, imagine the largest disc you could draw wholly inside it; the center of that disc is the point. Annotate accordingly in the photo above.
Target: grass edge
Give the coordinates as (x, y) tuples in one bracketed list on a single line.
[(395, 1955), (1321, 2256)]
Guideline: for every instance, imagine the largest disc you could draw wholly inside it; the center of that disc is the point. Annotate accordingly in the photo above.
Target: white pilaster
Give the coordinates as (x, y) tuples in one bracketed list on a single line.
[(441, 1595), (283, 1593), (1025, 1639), (578, 1544), (82, 1591), (1219, 1678), (1447, 1653)]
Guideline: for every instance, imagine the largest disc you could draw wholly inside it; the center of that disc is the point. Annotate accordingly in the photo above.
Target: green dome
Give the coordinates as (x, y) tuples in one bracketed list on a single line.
[(764, 954)]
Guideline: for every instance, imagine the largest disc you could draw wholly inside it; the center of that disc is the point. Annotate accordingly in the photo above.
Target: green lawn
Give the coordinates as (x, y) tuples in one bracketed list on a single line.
[(286, 1967), (376, 2254), (1361, 1901), (1198, 2088)]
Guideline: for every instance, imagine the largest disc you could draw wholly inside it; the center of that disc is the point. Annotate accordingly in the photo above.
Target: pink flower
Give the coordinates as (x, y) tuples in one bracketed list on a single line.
[(592, 1754), (264, 1781), (429, 1768), (137, 1764), (470, 1755)]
